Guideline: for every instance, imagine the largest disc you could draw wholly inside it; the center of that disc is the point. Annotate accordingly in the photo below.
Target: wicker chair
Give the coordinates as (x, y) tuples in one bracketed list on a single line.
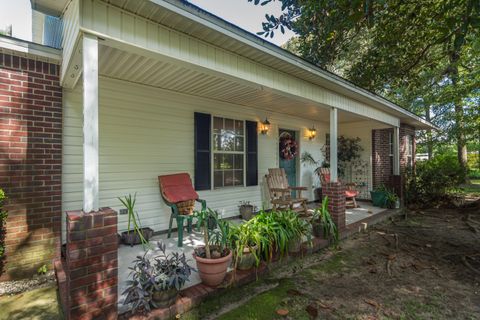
[(178, 193)]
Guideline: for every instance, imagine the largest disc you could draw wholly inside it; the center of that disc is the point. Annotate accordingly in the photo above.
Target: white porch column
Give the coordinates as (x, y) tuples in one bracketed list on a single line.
[(396, 151), (333, 145), (90, 123)]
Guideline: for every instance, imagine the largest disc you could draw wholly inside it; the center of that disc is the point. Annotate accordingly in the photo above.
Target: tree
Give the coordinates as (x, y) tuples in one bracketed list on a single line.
[(423, 55)]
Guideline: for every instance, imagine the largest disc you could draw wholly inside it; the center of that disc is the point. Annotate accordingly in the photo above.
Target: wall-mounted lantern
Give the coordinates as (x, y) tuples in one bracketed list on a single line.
[(265, 126), (312, 133)]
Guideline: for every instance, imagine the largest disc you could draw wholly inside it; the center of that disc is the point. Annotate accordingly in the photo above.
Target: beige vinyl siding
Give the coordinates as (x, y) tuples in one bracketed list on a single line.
[(145, 132), (138, 34)]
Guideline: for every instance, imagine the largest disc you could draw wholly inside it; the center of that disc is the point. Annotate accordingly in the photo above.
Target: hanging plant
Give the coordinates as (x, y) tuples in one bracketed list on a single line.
[(288, 146)]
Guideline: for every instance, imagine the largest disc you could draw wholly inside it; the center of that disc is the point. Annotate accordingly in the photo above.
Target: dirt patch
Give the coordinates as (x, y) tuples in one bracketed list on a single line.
[(424, 267)]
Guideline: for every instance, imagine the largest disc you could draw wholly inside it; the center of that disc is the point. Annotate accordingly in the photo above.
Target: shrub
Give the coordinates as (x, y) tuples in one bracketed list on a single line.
[(3, 218), (432, 179)]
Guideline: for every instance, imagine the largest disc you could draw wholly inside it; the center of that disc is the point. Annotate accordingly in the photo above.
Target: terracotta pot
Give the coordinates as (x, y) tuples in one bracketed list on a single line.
[(247, 261), (213, 271), (165, 298)]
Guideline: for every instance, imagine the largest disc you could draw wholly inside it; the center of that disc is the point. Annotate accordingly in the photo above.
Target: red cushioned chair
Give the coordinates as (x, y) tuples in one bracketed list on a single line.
[(350, 188), (178, 193)]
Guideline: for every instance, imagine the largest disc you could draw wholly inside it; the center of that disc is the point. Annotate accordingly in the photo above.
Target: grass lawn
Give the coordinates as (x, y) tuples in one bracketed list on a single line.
[(422, 267), (38, 304)]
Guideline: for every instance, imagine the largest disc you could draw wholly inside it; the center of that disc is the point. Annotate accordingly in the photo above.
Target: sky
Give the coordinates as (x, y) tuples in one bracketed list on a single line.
[(245, 15), (239, 12), (17, 13)]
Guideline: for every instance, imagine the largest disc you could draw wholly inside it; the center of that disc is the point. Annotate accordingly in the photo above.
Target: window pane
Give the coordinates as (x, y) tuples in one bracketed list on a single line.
[(238, 161), (238, 177), (239, 127), (217, 161), (218, 179), (227, 142), (217, 142), (217, 124), (227, 162), (228, 178), (229, 126), (238, 144)]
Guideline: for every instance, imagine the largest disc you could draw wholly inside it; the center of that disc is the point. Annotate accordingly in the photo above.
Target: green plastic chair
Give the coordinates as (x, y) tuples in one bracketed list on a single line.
[(178, 193)]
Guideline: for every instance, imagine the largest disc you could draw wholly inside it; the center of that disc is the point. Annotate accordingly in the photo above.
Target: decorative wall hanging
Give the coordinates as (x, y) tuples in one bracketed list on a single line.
[(288, 146)]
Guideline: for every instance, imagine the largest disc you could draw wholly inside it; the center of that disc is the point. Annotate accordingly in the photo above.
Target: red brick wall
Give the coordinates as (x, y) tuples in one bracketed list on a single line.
[(381, 163), (30, 162)]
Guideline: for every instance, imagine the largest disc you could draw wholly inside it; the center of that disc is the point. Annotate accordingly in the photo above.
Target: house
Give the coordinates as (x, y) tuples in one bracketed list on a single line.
[(118, 92)]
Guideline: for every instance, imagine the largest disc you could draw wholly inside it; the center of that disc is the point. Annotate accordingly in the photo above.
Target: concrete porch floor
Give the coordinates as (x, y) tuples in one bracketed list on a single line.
[(127, 254)]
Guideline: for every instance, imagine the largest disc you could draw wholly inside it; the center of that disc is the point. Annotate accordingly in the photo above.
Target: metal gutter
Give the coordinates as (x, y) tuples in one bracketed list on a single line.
[(30, 49), (198, 15)]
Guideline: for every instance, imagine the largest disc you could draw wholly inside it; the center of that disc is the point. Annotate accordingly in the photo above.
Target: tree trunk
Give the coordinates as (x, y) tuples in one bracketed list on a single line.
[(459, 114), (429, 135)]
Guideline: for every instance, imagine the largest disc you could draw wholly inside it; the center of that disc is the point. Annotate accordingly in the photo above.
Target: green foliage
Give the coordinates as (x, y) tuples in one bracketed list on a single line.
[(424, 55), (433, 179), (133, 218), (214, 238), (322, 216), (3, 219), (42, 270)]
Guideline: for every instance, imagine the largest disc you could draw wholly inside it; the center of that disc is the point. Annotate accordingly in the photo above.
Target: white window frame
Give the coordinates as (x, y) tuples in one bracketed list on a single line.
[(212, 160), (409, 147)]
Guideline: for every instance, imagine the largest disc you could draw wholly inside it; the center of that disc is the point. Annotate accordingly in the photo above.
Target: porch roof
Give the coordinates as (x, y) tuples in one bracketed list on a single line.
[(190, 19)]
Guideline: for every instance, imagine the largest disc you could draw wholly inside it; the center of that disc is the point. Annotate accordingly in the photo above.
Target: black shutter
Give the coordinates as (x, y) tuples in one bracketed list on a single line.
[(252, 153), (202, 151)]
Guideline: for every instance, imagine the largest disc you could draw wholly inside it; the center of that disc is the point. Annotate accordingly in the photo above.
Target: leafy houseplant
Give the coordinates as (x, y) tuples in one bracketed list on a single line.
[(245, 240), (322, 223), (214, 257), (246, 210), (156, 283), (138, 234), (391, 200)]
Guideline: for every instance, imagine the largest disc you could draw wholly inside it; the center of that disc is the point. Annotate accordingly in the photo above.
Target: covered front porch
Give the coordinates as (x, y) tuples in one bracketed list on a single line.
[(357, 219)]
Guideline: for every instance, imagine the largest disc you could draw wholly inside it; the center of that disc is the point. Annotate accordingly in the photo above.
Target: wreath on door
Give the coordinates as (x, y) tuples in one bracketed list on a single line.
[(288, 146)]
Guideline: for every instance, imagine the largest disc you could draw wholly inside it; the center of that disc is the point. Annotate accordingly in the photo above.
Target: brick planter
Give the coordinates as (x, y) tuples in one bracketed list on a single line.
[(91, 265)]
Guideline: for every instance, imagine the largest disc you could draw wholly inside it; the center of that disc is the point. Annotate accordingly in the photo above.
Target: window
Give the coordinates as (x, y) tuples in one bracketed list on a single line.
[(228, 152), (390, 148), (409, 146)]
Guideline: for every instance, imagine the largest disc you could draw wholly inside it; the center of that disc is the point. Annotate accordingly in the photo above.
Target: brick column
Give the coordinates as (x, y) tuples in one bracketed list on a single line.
[(91, 265), (335, 191)]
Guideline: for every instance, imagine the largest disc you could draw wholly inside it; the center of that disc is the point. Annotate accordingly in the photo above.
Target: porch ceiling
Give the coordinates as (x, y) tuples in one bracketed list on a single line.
[(119, 64)]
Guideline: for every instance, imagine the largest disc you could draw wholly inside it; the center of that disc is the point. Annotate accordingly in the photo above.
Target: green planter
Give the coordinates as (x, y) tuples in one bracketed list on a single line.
[(379, 198)]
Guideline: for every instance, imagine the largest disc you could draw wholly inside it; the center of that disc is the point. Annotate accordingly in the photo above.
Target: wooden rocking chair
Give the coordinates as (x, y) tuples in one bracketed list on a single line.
[(350, 188), (281, 193)]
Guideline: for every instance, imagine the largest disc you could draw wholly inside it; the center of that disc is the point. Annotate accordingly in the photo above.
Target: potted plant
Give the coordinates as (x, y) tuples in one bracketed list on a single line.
[(138, 234), (379, 196), (244, 240), (214, 257), (155, 282), (322, 223), (296, 228), (246, 210), (392, 201)]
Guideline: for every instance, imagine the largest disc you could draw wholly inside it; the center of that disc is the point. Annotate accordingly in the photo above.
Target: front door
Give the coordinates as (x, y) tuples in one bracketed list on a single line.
[(287, 162)]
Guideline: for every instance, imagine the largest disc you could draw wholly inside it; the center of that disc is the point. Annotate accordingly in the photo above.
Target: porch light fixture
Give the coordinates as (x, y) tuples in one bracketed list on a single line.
[(265, 126), (312, 133)]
